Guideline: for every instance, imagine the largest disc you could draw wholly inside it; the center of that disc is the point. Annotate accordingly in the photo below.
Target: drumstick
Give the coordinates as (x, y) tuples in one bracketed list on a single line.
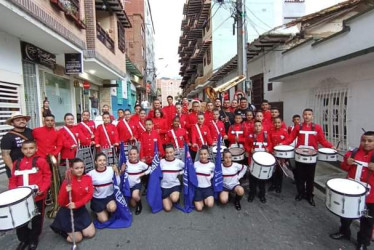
[(68, 180), (358, 163), (337, 146), (363, 130)]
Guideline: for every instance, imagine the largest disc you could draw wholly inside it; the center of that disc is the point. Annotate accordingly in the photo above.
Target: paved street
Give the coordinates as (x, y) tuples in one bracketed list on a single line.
[(281, 223)]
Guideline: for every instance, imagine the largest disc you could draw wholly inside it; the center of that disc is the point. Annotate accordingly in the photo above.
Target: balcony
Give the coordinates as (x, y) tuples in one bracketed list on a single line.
[(104, 37)]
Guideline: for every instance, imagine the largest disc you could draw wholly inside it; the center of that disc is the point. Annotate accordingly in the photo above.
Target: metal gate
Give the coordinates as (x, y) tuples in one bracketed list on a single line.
[(31, 94)]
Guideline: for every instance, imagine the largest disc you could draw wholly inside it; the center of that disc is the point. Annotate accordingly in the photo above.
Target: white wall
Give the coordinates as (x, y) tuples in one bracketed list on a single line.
[(11, 59)]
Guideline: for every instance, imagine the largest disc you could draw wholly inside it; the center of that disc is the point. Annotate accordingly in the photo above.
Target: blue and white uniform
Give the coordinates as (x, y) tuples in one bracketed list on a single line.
[(204, 174), (232, 174), (134, 170), (103, 188), (170, 171)]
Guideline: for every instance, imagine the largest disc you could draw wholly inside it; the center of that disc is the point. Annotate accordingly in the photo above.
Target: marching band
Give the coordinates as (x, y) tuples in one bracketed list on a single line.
[(256, 142)]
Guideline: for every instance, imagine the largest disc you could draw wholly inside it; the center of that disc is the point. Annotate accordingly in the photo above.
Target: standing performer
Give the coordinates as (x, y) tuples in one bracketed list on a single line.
[(121, 115), (234, 105), (126, 129), (364, 174), (236, 132), (136, 170), (106, 134), (218, 104), (170, 184), (275, 113), (242, 109), (103, 201), (277, 135), (177, 136), (185, 109), (68, 139), (266, 111), (232, 172), (169, 111), (11, 142), (140, 125), (200, 135), (226, 115), (39, 180), (308, 135), (260, 117), (192, 117), (86, 130), (216, 127), (181, 115), (156, 105), (81, 190), (160, 125), (257, 142), (135, 118), (46, 138), (208, 114), (204, 172), (249, 123), (147, 141)]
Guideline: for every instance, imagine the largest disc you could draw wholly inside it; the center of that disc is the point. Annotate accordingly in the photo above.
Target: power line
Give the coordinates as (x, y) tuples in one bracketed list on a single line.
[(247, 8), (221, 24)]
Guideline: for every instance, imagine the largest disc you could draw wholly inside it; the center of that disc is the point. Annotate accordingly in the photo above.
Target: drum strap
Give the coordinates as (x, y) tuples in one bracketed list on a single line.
[(18, 162), (175, 139), (106, 135), (200, 135), (87, 127), (71, 134)]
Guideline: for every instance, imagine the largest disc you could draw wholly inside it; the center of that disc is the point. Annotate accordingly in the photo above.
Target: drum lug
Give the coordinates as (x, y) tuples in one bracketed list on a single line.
[(11, 215), (343, 200), (329, 198), (358, 209)]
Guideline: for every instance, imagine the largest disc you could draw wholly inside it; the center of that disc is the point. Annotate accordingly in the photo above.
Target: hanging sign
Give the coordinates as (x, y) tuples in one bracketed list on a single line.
[(73, 63)]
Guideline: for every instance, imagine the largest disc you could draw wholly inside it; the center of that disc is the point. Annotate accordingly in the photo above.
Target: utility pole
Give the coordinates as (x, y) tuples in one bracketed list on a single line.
[(241, 38)]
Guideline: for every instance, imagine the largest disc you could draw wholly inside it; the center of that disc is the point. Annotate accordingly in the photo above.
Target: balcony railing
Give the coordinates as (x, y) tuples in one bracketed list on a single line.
[(104, 37)]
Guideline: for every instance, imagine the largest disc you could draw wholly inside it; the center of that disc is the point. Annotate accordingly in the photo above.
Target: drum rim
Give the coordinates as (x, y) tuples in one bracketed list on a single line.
[(349, 195), (284, 150), (263, 165), (324, 153), (340, 215), (315, 154), (17, 201)]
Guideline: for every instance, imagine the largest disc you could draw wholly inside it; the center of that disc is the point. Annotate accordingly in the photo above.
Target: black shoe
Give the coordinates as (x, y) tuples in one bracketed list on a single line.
[(361, 247), (250, 198), (339, 236), (138, 208), (299, 197), (272, 188), (22, 245), (311, 201), (278, 189), (33, 245), (237, 205), (263, 199)]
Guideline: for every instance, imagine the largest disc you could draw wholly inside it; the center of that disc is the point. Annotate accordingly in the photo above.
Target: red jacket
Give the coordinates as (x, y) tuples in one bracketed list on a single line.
[(169, 113), (101, 139), (161, 127), (232, 135), (46, 141), (277, 136), (42, 178), (81, 192), (135, 118), (195, 137), (267, 116), (147, 146), (313, 139), (66, 141), (183, 120), (85, 134), (124, 133), (272, 127), (191, 121), (213, 126), (249, 126), (208, 117), (365, 158), (180, 135), (262, 137), (140, 128), (185, 109)]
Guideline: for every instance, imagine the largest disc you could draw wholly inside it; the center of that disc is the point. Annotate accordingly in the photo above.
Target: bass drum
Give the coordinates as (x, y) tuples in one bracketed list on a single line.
[(262, 165)]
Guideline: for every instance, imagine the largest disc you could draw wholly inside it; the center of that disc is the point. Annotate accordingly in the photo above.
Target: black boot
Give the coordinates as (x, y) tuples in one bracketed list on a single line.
[(138, 208), (272, 187), (251, 197), (22, 245), (237, 202)]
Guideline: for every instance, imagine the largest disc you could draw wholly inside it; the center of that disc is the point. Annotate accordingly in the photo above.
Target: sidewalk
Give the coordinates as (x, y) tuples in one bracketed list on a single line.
[(326, 171)]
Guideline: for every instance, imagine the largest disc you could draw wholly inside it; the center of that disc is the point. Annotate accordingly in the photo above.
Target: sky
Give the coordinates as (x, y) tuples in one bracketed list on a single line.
[(167, 17)]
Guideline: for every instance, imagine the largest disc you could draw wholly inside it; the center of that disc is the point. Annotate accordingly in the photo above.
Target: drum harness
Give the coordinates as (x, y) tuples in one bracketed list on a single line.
[(265, 133)]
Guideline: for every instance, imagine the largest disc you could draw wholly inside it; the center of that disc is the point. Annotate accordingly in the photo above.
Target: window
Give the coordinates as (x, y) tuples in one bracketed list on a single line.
[(208, 55), (331, 113), (121, 37)]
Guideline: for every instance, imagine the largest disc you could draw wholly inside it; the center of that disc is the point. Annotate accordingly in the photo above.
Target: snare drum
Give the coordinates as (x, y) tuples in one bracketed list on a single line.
[(327, 154), (237, 154), (284, 152), (17, 207), (262, 165), (214, 150), (306, 155), (345, 198)]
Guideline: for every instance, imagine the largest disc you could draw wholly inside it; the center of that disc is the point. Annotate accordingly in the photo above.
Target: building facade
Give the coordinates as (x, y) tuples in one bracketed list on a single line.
[(168, 87)]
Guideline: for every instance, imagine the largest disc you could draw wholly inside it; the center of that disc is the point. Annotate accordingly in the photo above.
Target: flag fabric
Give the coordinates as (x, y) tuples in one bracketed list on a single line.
[(154, 193), (189, 182), (124, 184), (218, 178), (122, 217)]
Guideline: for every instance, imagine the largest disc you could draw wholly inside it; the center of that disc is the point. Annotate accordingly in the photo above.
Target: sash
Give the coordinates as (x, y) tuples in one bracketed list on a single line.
[(359, 168), (215, 125), (106, 135), (87, 127), (141, 125), (128, 127), (71, 134), (200, 135), (175, 139)]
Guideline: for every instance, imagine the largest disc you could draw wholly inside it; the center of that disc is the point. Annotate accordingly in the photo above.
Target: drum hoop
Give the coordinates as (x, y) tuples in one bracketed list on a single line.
[(324, 153), (349, 195), (315, 154), (17, 201), (263, 165), (283, 150)]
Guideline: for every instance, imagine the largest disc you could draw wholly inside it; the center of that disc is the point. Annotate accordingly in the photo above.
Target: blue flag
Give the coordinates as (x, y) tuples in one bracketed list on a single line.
[(122, 217), (218, 178), (124, 185), (154, 194), (189, 182)]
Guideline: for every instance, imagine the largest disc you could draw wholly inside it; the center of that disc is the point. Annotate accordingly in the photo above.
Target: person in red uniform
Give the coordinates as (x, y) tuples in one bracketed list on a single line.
[(249, 123), (140, 125), (156, 105), (265, 108), (200, 135), (105, 109), (234, 105), (208, 114), (364, 174), (169, 111), (295, 122), (185, 109), (181, 115), (68, 137), (236, 132), (135, 118), (46, 138), (217, 127), (81, 188), (86, 130), (259, 141), (192, 117), (308, 134), (177, 136), (260, 117), (106, 134), (160, 125), (275, 114), (277, 136), (127, 131), (147, 143), (40, 181)]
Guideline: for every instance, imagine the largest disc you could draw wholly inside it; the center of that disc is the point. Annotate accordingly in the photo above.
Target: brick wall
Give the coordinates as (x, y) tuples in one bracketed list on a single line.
[(135, 42)]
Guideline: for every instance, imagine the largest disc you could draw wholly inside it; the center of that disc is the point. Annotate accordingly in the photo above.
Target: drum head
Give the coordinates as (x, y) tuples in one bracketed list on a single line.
[(306, 151), (346, 186), (283, 148), (327, 151), (236, 151), (13, 195), (264, 158)]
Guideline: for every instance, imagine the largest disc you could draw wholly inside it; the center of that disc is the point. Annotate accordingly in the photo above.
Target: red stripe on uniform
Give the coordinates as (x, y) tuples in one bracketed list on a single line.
[(170, 171), (103, 185), (202, 174)]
